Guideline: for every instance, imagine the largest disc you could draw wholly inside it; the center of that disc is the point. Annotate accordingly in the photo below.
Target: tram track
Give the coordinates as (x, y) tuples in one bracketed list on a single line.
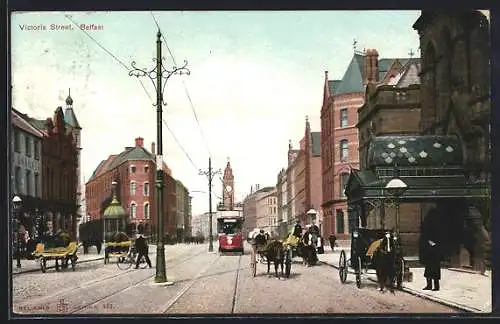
[(176, 261), (135, 284), (233, 302)]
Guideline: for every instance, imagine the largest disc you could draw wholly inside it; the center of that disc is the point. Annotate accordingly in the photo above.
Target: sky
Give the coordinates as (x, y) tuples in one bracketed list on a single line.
[(254, 77)]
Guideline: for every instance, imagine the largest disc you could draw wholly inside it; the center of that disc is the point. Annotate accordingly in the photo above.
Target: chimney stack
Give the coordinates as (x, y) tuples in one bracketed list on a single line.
[(153, 148), (371, 66), (139, 141)]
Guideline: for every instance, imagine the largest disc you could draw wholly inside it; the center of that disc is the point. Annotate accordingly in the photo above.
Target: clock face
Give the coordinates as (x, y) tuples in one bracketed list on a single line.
[(228, 188)]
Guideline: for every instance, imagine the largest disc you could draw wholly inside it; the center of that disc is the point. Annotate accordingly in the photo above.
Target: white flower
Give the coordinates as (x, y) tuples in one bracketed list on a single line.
[(392, 155), (449, 149), (411, 159), (401, 142), (388, 160), (413, 139), (437, 145), (391, 146), (384, 155), (403, 149), (423, 154)]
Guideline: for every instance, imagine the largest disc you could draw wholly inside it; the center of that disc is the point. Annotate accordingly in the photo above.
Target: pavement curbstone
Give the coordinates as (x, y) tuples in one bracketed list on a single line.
[(424, 296)]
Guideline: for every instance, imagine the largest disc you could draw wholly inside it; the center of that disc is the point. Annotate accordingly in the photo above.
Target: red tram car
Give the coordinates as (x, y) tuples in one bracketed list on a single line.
[(230, 230)]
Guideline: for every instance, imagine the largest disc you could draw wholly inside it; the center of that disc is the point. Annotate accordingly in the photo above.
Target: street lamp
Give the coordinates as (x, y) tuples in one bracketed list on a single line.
[(161, 74), (396, 187), (16, 204)]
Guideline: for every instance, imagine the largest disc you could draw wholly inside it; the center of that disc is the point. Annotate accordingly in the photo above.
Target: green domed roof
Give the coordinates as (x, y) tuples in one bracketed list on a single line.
[(114, 210)]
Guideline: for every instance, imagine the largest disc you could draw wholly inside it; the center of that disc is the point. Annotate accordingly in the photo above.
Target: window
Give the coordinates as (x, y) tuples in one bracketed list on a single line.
[(133, 210), (27, 141), (344, 150), (344, 177), (132, 169), (146, 169), (146, 210), (146, 189), (17, 141), (36, 149), (343, 117), (132, 188), (28, 183), (339, 221), (36, 186), (18, 180)]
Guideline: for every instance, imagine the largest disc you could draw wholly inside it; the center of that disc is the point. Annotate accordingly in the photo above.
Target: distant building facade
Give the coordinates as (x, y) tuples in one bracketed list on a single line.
[(267, 210), (134, 171)]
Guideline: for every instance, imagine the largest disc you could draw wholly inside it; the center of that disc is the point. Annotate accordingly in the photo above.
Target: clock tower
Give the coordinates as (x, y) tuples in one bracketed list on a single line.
[(228, 187)]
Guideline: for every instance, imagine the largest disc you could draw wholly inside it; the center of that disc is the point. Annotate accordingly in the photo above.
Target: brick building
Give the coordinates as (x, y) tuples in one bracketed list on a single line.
[(456, 90), (228, 188), (134, 170), (267, 210), (339, 135)]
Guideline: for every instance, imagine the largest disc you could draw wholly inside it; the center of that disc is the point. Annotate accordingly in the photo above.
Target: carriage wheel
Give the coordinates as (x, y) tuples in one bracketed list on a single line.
[(288, 262), (399, 278), (43, 264), (342, 267), (125, 263), (358, 273), (73, 262)]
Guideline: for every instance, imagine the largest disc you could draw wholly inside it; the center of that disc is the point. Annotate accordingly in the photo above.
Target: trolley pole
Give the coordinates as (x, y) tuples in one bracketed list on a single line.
[(210, 174), (161, 76)]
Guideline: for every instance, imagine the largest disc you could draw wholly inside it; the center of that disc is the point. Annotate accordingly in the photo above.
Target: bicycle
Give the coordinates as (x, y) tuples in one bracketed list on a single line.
[(124, 263)]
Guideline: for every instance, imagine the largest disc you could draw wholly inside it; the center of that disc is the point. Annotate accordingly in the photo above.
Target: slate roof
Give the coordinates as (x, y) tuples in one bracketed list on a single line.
[(407, 150), (333, 85), (352, 81), (19, 120), (316, 143), (70, 118)]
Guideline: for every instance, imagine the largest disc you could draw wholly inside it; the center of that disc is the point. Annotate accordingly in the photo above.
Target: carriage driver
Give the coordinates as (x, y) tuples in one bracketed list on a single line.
[(314, 229), (297, 230)]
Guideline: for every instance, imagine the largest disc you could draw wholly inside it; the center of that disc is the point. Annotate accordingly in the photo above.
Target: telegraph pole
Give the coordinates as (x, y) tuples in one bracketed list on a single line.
[(210, 174), (161, 75)]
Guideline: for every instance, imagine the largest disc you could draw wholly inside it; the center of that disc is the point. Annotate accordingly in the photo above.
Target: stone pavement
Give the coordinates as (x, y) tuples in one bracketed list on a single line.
[(460, 289)]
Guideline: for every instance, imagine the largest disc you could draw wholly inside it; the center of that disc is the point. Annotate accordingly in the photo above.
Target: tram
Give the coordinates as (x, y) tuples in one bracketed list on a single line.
[(230, 233)]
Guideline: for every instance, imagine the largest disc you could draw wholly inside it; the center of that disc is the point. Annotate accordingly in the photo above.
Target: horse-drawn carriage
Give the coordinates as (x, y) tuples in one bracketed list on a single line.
[(271, 250), (374, 249), (119, 246), (58, 248)]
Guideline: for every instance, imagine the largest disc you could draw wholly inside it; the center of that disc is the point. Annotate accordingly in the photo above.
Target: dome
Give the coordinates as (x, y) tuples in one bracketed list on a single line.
[(114, 210), (69, 101)]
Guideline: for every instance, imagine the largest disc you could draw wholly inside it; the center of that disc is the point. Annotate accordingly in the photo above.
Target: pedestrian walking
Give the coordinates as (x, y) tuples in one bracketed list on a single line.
[(142, 249), (430, 250)]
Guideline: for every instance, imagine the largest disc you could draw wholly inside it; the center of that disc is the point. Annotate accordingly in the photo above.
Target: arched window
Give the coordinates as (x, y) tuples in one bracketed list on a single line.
[(133, 210), (132, 188), (146, 210), (344, 150)]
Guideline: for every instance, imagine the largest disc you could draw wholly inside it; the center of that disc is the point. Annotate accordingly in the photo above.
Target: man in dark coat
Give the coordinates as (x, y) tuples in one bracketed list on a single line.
[(297, 230), (430, 250), (142, 249)]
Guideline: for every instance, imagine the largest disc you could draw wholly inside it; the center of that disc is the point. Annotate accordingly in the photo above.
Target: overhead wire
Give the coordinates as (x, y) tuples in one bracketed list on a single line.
[(142, 84), (185, 87)]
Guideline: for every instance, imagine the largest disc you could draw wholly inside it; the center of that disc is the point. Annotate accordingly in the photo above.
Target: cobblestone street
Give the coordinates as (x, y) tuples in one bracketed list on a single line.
[(205, 283)]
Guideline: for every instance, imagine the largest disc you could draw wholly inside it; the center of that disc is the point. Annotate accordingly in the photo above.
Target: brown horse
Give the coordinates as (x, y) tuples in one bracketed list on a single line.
[(275, 252)]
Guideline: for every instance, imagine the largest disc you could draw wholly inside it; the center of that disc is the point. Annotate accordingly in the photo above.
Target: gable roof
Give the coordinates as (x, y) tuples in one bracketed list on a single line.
[(316, 143)]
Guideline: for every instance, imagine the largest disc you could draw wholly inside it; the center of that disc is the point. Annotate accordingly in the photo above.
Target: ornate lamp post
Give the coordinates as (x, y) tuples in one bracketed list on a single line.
[(396, 187), (16, 221), (210, 174), (161, 74)]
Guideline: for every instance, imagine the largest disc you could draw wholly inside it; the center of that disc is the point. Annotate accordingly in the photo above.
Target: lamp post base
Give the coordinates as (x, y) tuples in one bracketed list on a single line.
[(161, 274)]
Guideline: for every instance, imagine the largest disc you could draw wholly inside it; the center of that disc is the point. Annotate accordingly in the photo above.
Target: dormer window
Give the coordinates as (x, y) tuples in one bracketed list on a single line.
[(132, 169)]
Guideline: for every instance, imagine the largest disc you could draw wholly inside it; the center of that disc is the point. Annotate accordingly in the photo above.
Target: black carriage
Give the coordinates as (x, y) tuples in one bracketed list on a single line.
[(363, 243)]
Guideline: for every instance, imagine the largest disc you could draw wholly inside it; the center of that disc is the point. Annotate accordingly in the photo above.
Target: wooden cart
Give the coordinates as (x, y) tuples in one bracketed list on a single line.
[(63, 254)]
